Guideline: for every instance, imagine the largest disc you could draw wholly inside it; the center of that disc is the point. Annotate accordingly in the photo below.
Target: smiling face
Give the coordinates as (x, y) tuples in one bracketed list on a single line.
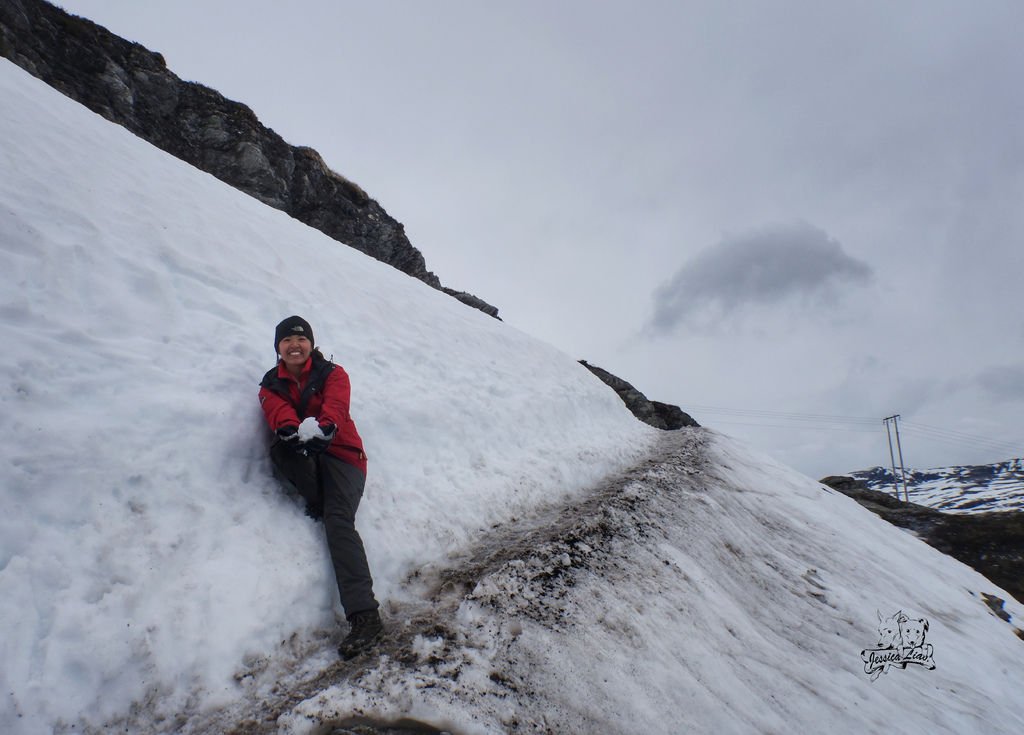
[(294, 351)]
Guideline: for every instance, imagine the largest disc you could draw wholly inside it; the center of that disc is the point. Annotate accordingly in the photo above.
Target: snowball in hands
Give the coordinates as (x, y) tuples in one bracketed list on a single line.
[(309, 429)]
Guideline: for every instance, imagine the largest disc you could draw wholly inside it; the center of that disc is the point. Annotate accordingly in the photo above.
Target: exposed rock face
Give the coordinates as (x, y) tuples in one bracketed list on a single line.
[(130, 85), (657, 414), (471, 300), (991, 543)]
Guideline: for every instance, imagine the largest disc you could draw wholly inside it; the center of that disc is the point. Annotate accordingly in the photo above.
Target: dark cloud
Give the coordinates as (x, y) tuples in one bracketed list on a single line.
[(763, 267), (1004, 383)]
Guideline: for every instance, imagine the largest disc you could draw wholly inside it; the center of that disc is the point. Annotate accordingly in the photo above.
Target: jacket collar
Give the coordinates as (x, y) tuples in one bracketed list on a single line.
[(282, 371)]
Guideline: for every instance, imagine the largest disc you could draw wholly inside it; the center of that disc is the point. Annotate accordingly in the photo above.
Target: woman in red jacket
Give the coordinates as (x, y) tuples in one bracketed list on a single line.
[(325, 464)]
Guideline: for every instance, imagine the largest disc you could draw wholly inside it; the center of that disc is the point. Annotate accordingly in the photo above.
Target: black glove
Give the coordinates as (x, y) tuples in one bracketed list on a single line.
[(289, 437), (317, 444)]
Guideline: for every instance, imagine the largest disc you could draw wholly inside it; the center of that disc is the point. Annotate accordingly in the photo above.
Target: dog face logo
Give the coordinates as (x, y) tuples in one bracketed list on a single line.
[(888, 632), (900, 642), (912, 632)]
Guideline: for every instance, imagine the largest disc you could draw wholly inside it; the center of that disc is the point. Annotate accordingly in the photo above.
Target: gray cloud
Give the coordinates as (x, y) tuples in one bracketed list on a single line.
[(1005, 383), (912, 151), (763, 267)]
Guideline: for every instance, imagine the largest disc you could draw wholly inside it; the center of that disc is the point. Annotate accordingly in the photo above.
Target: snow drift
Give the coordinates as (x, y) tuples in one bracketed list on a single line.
[(146, 550), (151, 568)]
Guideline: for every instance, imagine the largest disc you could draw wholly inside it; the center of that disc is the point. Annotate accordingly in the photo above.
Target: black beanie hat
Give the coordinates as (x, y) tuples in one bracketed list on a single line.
[(293, 326)]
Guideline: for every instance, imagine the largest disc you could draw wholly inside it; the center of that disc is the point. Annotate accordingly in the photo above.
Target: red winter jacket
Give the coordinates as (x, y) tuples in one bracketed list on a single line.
[(329, 391)]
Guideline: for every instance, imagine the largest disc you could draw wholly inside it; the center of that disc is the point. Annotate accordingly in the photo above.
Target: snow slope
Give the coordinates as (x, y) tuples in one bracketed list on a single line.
[(145, 549), (711, 591), (154, 578)]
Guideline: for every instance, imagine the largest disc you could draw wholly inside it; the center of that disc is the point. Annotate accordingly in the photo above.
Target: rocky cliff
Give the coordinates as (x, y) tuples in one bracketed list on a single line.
[(132, 86), (657, 414)]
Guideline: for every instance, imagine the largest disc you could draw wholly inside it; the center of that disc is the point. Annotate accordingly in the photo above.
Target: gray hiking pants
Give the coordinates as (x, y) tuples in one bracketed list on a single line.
[(332, 490)]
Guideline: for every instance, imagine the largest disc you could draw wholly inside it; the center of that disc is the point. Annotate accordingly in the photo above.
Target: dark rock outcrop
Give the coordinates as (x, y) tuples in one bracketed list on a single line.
[(991, 543), (132, 86), (657, 414), (474, 301)]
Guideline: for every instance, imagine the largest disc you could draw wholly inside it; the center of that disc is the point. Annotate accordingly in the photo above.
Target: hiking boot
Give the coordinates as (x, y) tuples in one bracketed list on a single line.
[(366, 630)]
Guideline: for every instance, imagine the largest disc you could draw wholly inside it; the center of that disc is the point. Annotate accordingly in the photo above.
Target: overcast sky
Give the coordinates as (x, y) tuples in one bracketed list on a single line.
[(773, 214)]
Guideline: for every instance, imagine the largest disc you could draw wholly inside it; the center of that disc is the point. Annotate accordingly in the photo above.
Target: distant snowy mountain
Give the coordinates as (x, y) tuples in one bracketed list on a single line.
[(545, 562), (967, 489)]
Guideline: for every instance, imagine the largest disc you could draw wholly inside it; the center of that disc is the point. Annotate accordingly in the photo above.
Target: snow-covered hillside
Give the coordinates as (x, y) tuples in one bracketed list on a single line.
[(153, 578), (968, 489)]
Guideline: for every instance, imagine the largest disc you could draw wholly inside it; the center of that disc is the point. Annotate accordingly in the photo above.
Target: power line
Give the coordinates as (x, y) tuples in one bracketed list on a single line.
[(961, 438), (954, 433), (799, 428), (790, 415), (857, 424)]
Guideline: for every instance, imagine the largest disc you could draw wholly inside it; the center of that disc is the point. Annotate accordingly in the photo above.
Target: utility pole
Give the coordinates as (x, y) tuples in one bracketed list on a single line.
[(896, 424), (892, 458), (899, 450)]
